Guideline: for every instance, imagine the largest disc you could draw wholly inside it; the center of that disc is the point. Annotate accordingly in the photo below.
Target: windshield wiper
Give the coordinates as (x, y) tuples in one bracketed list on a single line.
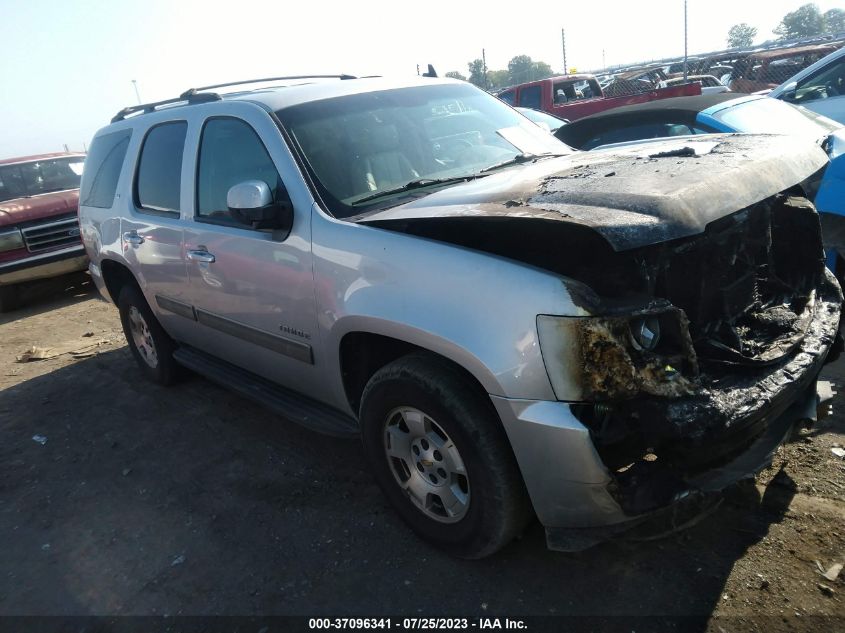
[(419, 183), (519, 159)]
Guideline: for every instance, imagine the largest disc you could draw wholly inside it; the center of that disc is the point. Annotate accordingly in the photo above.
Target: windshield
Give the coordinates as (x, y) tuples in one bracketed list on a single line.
[(771, 116), (22, 180), (356, 146)]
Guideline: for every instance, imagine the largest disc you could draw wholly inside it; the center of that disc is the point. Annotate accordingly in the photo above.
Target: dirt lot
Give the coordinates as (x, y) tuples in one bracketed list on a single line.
[(191, 500)]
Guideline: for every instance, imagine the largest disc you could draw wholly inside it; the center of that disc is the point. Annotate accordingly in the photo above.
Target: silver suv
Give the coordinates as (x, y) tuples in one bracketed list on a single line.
[(603, 340)]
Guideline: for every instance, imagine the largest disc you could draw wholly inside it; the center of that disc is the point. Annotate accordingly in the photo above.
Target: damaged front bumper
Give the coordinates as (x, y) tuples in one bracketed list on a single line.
[(666, 454)]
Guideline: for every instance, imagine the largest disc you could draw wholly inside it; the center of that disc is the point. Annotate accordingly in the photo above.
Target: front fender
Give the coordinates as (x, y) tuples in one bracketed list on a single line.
[(420, 338), (475, 309)]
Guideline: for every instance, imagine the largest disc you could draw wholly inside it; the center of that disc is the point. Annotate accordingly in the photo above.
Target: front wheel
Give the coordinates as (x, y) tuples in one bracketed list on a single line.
[(441, 457)]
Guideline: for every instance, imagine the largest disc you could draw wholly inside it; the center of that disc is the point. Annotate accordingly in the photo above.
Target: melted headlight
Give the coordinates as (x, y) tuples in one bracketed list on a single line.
[(645, 333), (603, 358)]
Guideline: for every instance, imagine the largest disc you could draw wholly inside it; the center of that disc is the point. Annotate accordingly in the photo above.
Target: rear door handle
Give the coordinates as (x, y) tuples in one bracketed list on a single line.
[(201, 256), (132, 237)]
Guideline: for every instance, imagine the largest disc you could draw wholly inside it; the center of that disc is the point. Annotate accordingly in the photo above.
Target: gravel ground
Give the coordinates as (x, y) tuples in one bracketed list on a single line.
[(142, 500)]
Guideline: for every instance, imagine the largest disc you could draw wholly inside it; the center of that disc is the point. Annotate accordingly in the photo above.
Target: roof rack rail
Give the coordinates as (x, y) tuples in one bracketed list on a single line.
[(193, 91), (198, 95), (151, 107)]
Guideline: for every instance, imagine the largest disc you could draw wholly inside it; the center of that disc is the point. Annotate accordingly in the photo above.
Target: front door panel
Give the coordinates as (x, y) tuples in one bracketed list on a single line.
[(253, 295)]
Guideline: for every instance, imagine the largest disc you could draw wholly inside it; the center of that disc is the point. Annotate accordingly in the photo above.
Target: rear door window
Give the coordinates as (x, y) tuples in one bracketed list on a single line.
[(103, 166), (158, 181)]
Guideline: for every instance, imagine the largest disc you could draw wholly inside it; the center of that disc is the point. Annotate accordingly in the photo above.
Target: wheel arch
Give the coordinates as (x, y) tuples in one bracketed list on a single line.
[(116, 275), (363, 351)]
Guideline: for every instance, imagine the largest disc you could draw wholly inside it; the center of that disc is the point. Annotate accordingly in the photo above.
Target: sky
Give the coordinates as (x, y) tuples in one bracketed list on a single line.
[(68, 65)]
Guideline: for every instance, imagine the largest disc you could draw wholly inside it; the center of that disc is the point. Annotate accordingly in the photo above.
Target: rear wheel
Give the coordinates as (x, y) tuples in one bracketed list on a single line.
[(441, 457), (148, 342)]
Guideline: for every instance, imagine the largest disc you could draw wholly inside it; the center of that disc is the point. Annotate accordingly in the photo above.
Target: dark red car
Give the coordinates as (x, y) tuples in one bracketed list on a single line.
[(39, 225)]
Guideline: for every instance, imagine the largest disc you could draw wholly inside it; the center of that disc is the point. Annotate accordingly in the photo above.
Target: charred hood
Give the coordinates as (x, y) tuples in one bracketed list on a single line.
[(632, 197), (721, 229)]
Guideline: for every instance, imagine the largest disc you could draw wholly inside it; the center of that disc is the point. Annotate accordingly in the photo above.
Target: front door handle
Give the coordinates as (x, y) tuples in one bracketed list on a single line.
[(201, 256), (132, 237)]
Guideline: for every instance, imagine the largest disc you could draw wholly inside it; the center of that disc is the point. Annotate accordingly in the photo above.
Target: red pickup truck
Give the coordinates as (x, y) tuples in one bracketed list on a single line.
[(576, 96), (39, 224)]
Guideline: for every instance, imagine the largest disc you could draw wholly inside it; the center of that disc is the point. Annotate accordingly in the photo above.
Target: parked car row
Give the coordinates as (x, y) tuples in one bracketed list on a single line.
[(766, 69), (748, 70), (765, 64)]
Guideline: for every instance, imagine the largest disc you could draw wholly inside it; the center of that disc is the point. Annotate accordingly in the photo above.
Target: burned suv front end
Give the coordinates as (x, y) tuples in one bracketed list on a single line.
[(706, 359), (680, 310), (701, 315)]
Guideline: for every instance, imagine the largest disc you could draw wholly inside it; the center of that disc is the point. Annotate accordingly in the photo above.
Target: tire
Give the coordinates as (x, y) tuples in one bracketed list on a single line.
[(149, 343), (424, 404), (10, 298)]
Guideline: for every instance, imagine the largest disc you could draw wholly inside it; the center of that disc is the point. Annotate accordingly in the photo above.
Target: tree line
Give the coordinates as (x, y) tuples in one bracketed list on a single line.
[(521, 69), (806, 21)]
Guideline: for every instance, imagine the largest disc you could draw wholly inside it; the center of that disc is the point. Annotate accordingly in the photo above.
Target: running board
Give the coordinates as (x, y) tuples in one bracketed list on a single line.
[(288, 404)]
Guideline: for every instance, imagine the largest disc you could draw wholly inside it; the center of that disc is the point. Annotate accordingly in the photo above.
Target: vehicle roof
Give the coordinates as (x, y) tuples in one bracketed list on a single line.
[(786, 52), (695, 103), (283, 96), (37, 157), (684, 108)]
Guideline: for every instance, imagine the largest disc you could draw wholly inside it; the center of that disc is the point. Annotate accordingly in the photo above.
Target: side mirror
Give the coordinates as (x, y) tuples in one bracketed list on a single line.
[(789, 91), (251, 203)]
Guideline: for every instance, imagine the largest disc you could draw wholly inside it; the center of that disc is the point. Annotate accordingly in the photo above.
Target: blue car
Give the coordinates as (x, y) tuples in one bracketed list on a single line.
[(728, 112)]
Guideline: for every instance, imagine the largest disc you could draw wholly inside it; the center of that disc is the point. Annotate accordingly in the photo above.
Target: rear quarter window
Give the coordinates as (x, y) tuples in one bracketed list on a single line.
[(102, 169)]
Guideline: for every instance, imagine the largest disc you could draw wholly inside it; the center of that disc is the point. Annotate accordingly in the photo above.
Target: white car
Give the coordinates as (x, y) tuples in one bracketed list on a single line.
[(709, 84), (820, 87)]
